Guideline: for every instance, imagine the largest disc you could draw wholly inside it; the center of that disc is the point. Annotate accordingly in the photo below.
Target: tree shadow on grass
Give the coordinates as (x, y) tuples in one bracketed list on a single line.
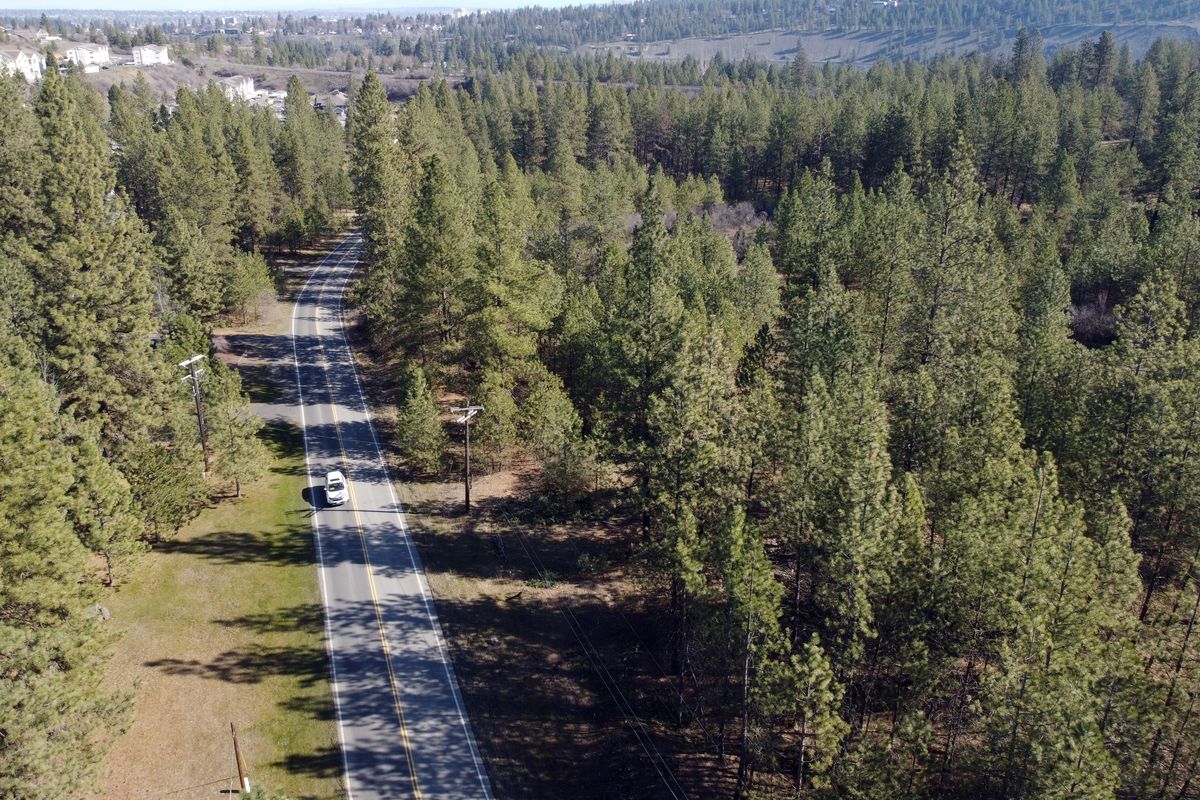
[(283, 439), (241, 547), (324, 762), (307, 665), (253, 666)]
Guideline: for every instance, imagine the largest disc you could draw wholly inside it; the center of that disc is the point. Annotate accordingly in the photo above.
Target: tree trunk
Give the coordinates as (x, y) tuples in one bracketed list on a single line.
[(796, 603), (743, 776), (802, 757), (1179, 736), (1169, 702)]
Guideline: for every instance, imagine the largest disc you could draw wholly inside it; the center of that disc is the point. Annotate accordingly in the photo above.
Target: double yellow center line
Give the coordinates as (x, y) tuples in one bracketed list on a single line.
[(362, 537)]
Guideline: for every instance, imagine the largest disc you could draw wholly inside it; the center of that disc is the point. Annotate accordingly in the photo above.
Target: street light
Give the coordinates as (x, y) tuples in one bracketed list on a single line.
[(467, 412)]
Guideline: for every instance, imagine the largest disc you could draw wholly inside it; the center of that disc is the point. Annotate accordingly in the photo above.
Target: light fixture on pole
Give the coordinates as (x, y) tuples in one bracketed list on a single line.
[(466, 413)]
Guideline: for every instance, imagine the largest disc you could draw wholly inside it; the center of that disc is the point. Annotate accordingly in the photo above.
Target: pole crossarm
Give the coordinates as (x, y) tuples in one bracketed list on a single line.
[(466, 412), (194, 376)]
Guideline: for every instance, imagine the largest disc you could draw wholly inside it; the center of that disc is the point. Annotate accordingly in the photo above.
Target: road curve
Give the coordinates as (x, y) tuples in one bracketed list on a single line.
[(401, 720)]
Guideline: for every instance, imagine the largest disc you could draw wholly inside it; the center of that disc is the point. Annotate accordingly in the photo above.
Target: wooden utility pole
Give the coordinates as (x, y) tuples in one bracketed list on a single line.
[(194, 376), (243, 781), (467, 412)]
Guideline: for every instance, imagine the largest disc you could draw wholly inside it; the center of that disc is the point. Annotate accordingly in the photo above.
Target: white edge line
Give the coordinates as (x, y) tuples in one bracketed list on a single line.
[(415, 559), (316, 526)]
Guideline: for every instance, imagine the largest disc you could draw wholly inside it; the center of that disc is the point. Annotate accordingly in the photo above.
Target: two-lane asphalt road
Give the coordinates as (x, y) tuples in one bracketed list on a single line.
[(403, 727)]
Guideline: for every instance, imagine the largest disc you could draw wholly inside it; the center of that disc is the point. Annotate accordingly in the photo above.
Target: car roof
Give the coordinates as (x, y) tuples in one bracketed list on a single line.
[(334, 475)]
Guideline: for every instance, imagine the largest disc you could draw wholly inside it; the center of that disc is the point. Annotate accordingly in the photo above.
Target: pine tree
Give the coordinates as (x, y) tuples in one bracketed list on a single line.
[(496, 427), (436, 251), (198, 180), (758, 291), (609, 131), (419, 430), (299, 156), (820, 729), (548, 422), (238, 454), (760, 651), (166, 483), (961, 286), (195, 274), (257, 185), (1048, 361), (92, 277), (377, 171), (645, 334), (836, 512), (1144, 127), (1044, 716), (1147, 415), (54, 708), (820, 335), (510, 298), (891, 225), (22, 221), (101, 505), (809, 244)]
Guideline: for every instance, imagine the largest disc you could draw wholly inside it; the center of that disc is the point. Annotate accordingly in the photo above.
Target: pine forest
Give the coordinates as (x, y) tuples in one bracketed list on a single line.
[(894, 375)]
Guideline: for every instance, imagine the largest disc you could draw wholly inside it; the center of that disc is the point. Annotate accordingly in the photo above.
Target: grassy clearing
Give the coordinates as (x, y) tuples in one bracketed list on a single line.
[(223, 624)]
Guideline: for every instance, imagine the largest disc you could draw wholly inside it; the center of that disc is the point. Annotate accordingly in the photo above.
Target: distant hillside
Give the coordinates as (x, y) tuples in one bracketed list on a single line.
[(865, 47), (662, 20)]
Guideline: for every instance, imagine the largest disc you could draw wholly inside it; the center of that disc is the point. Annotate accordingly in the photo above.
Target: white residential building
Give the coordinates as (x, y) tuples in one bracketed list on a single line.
[(148, 55), (29, 65), (85, 55), (238, 87)]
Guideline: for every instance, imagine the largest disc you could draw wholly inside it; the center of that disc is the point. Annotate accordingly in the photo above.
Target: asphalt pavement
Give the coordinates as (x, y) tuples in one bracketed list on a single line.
[(403, 726)]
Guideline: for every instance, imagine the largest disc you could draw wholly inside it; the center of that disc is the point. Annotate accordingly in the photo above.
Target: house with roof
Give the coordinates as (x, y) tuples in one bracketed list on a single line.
[(147, 55), (29, 65), (87, 55)]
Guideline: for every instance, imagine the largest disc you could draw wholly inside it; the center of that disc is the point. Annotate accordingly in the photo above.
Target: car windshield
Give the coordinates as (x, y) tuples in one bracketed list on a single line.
[(336, 486)]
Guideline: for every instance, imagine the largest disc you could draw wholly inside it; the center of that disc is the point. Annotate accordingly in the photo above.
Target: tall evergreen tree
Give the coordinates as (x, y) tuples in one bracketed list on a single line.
[(93, 276), (55, 710)]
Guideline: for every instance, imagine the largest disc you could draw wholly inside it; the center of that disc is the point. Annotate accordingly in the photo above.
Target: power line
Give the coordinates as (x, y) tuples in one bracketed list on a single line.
[(640, 732)]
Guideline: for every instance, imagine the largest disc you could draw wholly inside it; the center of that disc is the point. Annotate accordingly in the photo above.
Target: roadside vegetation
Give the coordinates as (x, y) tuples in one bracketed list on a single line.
[(126, 232), (886, 380), (223, 624), (840, 429)]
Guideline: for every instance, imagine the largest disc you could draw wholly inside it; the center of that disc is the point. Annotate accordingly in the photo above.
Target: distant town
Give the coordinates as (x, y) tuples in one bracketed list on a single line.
[(238, 53)]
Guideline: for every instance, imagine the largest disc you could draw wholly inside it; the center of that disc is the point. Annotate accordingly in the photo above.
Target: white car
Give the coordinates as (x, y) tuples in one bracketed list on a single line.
[(336, 491)]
